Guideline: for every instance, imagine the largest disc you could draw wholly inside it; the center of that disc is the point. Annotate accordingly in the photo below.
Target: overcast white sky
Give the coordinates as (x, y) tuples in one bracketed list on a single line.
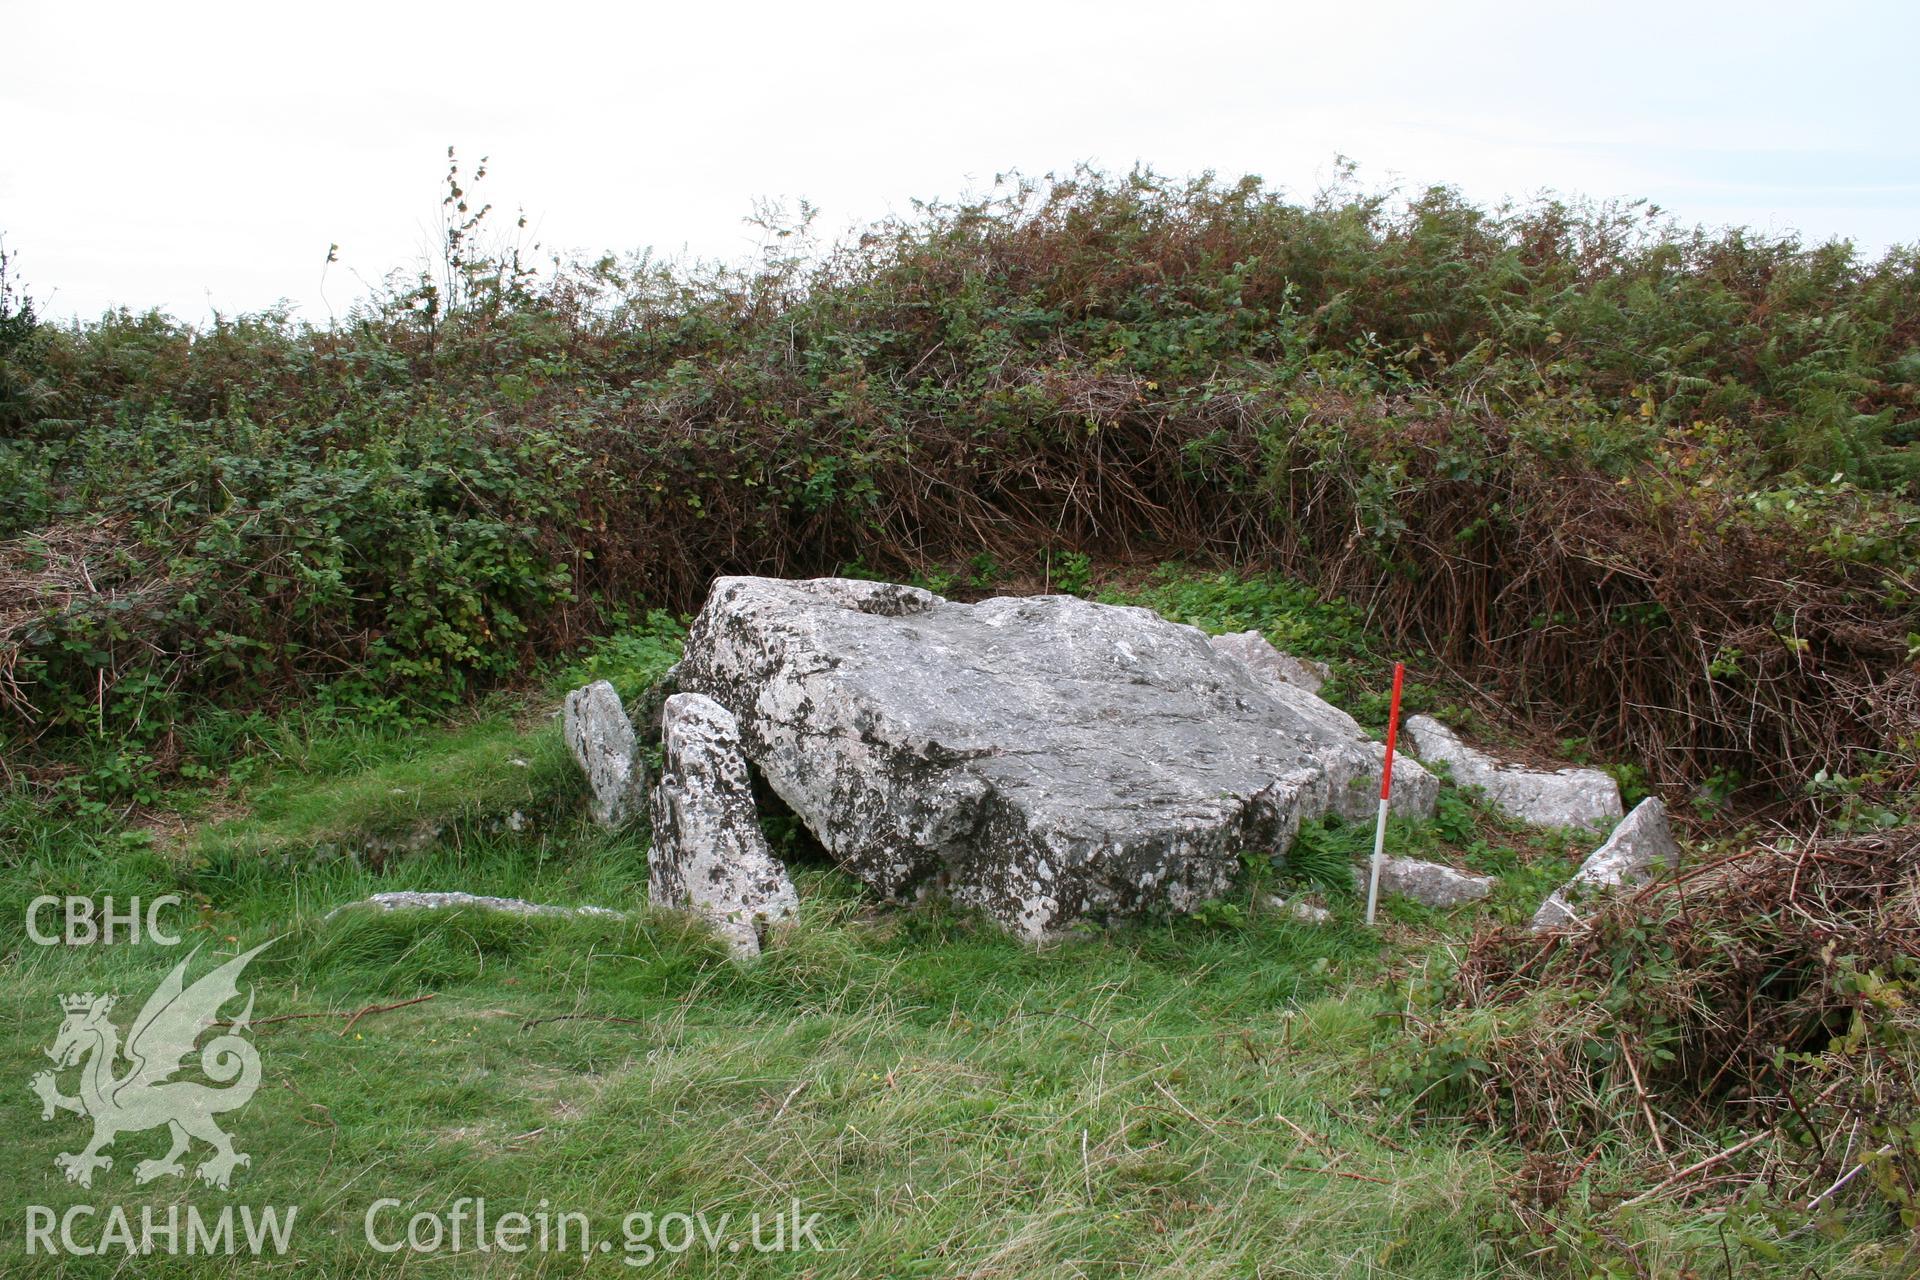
[(204, 155)]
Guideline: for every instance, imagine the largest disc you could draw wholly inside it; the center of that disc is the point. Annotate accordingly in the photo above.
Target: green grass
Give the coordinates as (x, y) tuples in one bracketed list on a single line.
[(1214, 1096), (1175, 1099)]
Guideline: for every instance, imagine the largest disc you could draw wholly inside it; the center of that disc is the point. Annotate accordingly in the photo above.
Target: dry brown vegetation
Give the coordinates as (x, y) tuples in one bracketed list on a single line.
[(1651, 487)]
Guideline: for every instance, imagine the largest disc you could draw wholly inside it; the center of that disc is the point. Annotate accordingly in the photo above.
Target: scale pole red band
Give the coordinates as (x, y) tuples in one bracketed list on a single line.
[(1393, 729)]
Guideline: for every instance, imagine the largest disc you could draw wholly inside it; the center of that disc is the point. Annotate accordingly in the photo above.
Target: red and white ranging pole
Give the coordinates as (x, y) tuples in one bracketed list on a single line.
[(1386, 794)]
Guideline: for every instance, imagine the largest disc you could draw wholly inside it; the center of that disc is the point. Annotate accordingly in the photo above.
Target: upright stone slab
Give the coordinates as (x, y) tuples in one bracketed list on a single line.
[(1538, 797), (1643, 840), (601, 739), (708, 854), (1045, 759)]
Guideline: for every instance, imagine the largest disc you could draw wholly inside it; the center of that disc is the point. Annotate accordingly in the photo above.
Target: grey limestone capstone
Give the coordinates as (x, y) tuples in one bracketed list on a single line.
[(1045, 759), (1258, 653)]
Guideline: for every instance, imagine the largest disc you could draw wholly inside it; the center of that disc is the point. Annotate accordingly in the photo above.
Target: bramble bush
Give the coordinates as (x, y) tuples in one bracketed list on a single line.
[(1654, 486)]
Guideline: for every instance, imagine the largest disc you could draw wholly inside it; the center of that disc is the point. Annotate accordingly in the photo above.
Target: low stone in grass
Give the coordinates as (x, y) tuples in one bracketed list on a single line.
[(1300, 909), (417, 900), (1537, 797), (1431, 883)]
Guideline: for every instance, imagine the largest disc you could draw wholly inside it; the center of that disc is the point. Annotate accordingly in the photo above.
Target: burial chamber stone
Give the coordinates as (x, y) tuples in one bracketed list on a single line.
[(1642, 841), (708, 853), (1257, 652), (1538, 797), (602, 741), (1045, 759)]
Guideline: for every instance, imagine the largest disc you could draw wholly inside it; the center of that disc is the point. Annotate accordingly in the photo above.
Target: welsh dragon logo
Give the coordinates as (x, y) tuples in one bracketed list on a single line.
[(144, 1096)]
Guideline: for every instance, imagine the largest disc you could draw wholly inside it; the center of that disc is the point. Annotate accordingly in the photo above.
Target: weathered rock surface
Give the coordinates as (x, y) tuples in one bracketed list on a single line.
[(414, 900), (708, 852), (1541, 798), (1353, 761), (1432, 883), (602, 741), (1258, 653), (1643, 840), (1045, 759)]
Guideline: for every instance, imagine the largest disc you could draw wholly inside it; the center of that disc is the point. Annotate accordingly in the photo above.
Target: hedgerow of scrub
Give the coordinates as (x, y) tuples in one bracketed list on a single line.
[(1655, 486)]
